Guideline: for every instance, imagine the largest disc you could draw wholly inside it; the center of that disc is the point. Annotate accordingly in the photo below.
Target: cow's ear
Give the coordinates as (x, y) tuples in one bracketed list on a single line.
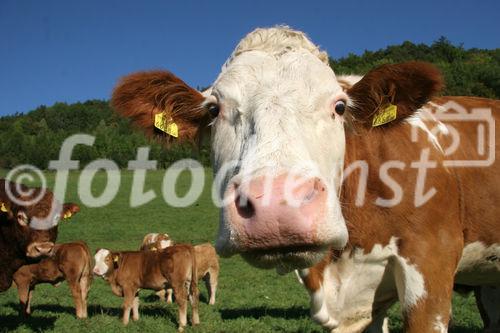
[(69, 209), (22, 218), (391, 93), (162, 105), (115, 257)]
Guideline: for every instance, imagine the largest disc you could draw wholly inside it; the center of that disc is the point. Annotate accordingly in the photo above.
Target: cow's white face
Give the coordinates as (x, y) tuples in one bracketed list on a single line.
[(103, 261), (279, 145)]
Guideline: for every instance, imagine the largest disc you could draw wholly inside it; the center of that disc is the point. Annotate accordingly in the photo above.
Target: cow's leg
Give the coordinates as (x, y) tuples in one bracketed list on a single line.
[(169, 292), (425, 295), (84, 287), (181, 298), (379, 325), (161, 295), (194, 297), (23, 291), (128, 303), (135, 309), (76, 291), (488, 302), (211, 283), (28, 306)]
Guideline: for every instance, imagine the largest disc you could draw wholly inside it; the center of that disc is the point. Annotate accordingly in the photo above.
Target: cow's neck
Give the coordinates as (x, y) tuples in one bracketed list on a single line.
[(370, 223)]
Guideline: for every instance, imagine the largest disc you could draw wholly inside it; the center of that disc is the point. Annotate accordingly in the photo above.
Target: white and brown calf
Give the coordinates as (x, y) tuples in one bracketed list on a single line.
[(156, 241), (71, 262), (128, 272)]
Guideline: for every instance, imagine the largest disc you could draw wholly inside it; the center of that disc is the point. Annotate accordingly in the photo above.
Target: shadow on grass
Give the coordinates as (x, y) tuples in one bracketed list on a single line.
[(93, 310), (452, 329), (151, 298), (295, 312), (35, 323)]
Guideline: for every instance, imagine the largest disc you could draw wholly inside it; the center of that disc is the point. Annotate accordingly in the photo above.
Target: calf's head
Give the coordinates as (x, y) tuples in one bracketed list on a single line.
[(277, 115), (105, 262)]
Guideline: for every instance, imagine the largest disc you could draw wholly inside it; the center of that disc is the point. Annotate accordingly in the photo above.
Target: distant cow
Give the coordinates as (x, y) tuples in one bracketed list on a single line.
[(27, 229), (70, 262), (206, 260), (127, 272), (155, 241)]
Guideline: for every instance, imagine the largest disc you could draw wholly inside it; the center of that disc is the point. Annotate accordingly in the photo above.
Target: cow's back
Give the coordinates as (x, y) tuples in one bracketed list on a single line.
[(73, 257), (206, 259), (178, 261)]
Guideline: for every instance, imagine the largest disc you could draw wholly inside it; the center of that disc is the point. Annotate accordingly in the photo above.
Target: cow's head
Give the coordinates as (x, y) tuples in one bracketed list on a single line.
[(277, 115), (105, 262), (31, 225)]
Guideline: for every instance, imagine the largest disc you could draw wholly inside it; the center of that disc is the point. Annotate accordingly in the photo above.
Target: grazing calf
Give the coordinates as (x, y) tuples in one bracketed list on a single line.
[(206, 260), (174, 267), (70, 262)]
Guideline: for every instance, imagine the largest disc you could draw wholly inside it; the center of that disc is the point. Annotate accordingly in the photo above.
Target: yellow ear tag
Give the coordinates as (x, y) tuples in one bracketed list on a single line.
[(3, 208), (67, 215), (385, 116), (115, 259), (168, 127)]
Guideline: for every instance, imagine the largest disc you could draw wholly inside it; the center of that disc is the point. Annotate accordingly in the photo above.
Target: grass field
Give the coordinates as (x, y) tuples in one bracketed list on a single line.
[(248, 299)]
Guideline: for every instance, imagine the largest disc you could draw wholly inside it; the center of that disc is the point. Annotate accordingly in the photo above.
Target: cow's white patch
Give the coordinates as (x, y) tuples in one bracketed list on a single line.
[(479, 265), (439, 326), (351, 288), (319, 310), (100, 267), (410, 283), (165, 243), (418, 121)]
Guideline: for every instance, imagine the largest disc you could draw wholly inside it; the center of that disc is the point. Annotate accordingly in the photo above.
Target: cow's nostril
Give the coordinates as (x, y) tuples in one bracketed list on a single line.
[(244, 206)]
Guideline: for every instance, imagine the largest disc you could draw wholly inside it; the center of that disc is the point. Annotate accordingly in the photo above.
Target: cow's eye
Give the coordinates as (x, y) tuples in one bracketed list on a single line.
[(340, 107), (213, 109)]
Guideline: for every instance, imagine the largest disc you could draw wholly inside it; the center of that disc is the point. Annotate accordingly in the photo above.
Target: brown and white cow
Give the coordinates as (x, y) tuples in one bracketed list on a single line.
[(156, 242), (207, 263), (127, 272), (283, 130), (28, 227), (71, 262)]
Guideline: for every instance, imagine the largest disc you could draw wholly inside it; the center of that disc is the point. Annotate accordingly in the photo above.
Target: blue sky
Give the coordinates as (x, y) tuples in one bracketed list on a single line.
[(76, 50)]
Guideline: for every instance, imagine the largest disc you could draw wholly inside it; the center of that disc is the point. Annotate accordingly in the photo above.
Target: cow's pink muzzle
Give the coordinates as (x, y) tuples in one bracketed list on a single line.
[(275, 213)]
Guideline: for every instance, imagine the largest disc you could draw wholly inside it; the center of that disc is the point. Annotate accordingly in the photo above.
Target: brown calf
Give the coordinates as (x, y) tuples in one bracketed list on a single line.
[(206, 260), (70, 262), (127, 272)]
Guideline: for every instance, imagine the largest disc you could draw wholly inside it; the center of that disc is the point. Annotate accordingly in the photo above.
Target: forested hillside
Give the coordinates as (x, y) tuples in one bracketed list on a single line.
[(36, 137)]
